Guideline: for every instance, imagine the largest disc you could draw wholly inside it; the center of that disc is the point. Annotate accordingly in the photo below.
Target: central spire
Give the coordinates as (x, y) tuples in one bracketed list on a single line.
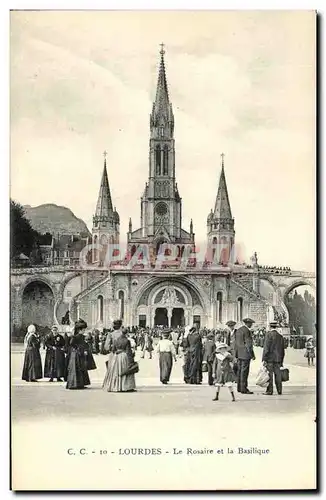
[(162, 93), (162, 120)]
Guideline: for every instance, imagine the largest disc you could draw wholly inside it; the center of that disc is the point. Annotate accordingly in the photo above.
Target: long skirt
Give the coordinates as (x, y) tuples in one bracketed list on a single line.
[(165, 366), (32, 369), (91, 365), (77, 375), (54, 366), (114, 381), (193, 372)]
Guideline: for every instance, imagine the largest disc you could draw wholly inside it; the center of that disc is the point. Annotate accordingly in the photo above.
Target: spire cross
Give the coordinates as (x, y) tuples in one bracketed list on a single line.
[(162, 51), (222, 156), (105, 153)]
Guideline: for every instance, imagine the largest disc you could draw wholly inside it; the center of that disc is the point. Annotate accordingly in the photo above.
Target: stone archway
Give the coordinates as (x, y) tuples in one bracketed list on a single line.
[(144, 310), (38, 304), (300, 302)]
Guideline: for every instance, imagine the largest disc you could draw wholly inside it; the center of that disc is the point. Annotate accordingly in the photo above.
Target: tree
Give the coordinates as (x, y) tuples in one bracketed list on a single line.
[(302, 311), (23, 238)]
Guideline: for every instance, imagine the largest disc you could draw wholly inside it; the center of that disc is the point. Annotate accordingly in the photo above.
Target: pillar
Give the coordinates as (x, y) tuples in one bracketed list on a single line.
[(169, 316)]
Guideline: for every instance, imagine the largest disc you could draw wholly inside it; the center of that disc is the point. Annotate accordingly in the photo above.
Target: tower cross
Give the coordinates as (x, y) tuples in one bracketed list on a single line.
[(162, 51), (105, 153), (222, 156)]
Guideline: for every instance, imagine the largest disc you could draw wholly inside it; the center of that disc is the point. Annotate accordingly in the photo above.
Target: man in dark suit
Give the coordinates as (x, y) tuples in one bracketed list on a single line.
[(230, 336), (244, 353), (273, 356), (209, 355)]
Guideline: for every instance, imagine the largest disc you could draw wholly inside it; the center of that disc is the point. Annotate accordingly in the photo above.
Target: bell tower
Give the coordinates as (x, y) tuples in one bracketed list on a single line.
[(220, 223), (106, 221)]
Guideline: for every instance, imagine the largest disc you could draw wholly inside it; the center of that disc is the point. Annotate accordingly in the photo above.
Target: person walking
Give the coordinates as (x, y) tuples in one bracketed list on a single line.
[(193, 368), (223, 370), (167, 354), (32, 368), (147, 345), (273, 356), (244, 353), (77, 374), (230, 335), (209, 356)]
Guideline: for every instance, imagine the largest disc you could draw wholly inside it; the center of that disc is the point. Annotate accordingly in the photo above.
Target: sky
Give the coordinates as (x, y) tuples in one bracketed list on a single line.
[(240, 82)]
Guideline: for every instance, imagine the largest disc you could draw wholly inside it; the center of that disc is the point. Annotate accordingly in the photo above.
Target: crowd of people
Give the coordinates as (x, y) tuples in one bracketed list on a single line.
[(224, 354)]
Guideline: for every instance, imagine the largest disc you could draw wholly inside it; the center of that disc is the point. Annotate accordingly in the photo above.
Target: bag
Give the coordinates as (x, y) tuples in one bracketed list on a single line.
[(262, 377), (204, 367), (133, 368), (285, 374)]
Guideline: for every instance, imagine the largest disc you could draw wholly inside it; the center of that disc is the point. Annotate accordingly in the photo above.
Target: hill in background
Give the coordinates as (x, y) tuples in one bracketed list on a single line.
[(54, 219)]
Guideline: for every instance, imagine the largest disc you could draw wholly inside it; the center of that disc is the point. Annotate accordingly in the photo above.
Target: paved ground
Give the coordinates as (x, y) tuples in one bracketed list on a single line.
[(44, 399), (89, 434)]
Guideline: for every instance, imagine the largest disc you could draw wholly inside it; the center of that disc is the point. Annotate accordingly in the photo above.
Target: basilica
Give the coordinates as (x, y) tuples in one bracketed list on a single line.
[(174, 296), (143, 294)]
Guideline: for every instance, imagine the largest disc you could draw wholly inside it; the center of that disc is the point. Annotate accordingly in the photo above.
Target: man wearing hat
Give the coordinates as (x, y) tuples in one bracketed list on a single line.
[(244, 353), (209, 355), (273, 356), (230, 334)]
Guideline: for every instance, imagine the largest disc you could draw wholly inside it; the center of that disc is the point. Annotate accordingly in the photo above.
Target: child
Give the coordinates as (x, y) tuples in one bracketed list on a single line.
[(223, 370), (310, 350)]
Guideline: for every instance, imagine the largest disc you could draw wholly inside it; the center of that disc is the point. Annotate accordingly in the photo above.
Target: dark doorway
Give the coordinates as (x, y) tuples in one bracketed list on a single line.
[(161, 317), (196, 321), (178, 317), (142, 320)]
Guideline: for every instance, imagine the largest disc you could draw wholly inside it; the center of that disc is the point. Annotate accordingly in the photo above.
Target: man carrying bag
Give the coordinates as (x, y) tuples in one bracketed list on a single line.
[(273, 356)]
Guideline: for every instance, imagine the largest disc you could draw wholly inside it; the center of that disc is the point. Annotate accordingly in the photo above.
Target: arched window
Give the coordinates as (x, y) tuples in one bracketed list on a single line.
[(165, 160), (95, 250), (158, 159), (100, 308), (214, 247), (219, 299), (121, 297), (239, 309)]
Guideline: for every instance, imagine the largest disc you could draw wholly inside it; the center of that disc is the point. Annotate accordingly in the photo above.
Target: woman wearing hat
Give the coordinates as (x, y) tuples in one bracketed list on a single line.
[(167, 353), (193, 365), (77, 374), (32, 369), (223, 369), (120, 359)]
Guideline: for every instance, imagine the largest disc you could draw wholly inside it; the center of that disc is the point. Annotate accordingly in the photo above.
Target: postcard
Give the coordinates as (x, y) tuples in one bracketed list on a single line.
[(163, 239)]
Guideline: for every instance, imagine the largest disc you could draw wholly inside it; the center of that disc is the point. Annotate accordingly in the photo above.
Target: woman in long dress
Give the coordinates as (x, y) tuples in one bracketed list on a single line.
[(77, 374), (54, 366), (120, 358), (193, 366), (91, 365), (167, 353), (32, 369)]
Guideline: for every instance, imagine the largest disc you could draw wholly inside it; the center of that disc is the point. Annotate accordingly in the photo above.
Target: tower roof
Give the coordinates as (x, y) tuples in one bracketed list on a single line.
[(162, 93), (222, 208), (104, 202)]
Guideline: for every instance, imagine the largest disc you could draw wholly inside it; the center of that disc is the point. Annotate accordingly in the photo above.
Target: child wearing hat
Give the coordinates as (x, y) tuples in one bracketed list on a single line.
[(310, 350), (223, 369)]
